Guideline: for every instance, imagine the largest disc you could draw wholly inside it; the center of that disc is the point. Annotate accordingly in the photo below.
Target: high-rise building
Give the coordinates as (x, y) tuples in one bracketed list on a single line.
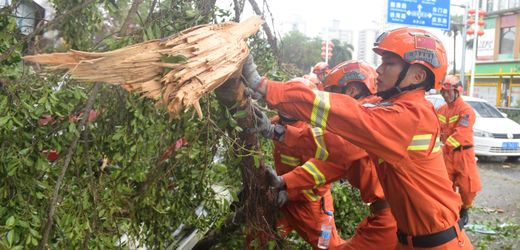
[(365, 44)]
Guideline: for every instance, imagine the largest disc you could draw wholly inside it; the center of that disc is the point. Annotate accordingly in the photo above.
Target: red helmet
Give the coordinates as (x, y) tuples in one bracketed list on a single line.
[(415, 46), (352, 71), (452, 82), (320, 68)]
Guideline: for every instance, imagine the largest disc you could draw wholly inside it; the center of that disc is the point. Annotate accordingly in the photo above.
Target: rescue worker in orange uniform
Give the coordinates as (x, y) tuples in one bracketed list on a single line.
[(457, 118), (400, 133), (302, 210), (377, 231)]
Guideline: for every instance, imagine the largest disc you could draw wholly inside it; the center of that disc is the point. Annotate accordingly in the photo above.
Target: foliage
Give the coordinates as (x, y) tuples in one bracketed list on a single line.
[(9, 36), (342, 52), (503, 231), (305, 52)]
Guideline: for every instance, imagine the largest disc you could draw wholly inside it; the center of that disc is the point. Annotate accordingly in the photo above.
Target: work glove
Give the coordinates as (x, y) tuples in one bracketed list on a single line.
[(282, 198), (250, 74), (262, 124), (464, 217), (253, 94), (274, 179)]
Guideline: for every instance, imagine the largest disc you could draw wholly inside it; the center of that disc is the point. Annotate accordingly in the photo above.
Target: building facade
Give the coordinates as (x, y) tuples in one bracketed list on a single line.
[(497, 77)]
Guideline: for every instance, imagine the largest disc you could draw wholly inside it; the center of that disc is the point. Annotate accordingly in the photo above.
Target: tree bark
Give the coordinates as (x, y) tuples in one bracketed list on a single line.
[(270, 36), (128, 20), (257, 199), (205, 6), (239, 7)]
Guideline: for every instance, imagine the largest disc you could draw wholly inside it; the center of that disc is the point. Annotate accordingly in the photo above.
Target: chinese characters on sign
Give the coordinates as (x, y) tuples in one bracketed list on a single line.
[(426, 13)]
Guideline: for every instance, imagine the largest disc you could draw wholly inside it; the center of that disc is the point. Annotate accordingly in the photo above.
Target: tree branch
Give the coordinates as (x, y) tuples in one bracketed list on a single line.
[(270, 37), (131, 13), (239, 7), (70, 153)]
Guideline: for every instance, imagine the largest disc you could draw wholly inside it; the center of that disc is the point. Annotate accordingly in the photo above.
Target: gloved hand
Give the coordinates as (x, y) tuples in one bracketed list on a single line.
[(253, 94), (282, 198), (274, 179), (464, 217), (262, 124), (250, 74)]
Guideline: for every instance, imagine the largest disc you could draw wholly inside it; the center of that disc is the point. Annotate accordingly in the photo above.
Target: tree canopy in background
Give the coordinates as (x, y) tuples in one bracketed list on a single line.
[(305, 52)]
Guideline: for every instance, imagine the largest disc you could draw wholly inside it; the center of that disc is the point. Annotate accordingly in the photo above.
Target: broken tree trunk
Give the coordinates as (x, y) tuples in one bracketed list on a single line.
[(175, 71), (256, 207)]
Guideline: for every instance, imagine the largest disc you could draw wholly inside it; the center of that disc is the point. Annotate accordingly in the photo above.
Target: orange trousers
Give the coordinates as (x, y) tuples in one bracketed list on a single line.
[(461, 242), (377, 231), (463, 172), (306, 218)]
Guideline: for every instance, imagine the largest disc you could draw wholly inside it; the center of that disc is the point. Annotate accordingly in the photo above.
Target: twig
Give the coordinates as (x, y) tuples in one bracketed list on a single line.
[(270, 37), (93, 188), (70, 152)]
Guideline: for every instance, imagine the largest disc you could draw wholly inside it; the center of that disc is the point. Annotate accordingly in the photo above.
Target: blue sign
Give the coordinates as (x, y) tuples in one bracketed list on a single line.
[(425, 13)]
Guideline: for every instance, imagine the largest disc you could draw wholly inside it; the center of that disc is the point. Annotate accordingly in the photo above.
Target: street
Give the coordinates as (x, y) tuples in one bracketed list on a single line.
[(495, 218)]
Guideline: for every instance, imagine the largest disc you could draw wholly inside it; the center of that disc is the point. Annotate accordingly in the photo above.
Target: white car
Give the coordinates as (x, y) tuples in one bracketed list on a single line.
[(494, 134)]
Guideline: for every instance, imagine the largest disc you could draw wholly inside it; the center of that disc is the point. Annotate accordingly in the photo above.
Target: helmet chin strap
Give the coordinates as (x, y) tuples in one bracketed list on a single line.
[(389, 93)]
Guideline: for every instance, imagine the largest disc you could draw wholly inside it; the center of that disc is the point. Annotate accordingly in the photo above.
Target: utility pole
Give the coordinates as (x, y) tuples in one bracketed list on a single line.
[(476, 28), (464, 40)]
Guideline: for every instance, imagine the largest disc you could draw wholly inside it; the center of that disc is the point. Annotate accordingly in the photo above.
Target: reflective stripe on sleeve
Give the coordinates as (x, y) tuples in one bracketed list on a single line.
[(321, 148), (420, 142), (289, 160), (442, 118), (453, 142), (437, 145), (319, 178), (320, 109), (311, 195), (454, 119)]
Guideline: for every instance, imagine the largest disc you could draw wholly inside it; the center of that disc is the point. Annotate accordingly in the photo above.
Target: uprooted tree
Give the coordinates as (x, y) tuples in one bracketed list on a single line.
[(92, 166)]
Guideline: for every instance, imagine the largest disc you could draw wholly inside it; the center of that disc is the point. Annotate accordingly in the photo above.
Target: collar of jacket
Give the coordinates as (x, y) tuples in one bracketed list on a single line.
[(456, 102), (408, 95)]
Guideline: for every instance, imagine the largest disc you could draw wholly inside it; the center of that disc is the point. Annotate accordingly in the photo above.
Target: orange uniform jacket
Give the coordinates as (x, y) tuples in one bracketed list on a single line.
[(400, 134), (304, 210), (343, 160), (456, 120), (288, 156), (333, 158)]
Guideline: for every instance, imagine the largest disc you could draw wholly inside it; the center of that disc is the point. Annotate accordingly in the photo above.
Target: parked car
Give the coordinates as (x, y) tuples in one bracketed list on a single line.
[(494, 134)]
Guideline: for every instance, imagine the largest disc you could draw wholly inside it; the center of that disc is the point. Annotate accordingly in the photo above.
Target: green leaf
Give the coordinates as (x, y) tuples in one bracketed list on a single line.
[(173, 59), (22, 223), (4, 120), (240, 114), (191, 13), (117, 136), (24, 151), (10, 237), (34, 233), (10, 222)]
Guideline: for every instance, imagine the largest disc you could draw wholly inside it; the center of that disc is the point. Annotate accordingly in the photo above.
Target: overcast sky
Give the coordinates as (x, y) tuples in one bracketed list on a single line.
[(354, 15)]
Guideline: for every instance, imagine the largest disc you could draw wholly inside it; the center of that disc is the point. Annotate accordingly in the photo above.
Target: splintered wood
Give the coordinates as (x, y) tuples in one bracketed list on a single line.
[(199, 60)]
